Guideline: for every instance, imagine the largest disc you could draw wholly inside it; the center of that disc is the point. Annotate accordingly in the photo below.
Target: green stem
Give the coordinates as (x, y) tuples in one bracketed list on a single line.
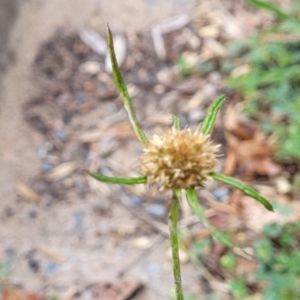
[(173, 217), (119, 180), (192, 198), (176, 122), (123, 91)]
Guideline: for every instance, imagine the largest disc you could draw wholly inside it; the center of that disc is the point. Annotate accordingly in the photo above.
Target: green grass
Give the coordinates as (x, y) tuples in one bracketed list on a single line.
[(271, 89)]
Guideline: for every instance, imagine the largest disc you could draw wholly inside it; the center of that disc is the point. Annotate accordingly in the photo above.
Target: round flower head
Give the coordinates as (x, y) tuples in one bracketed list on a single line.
[(178, 159)]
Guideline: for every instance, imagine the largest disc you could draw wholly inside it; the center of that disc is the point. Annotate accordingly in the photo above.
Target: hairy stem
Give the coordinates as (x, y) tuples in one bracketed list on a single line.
[(173, 218)]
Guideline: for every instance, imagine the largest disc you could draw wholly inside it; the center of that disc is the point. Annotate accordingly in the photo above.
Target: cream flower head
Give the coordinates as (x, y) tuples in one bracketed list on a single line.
[(178, 159)]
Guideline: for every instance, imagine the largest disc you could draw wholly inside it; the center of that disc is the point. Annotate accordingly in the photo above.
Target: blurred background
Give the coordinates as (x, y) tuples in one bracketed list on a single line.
[(65, 236)]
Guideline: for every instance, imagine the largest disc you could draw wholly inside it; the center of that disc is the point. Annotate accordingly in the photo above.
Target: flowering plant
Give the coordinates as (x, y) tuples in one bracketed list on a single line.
[(177, 159)]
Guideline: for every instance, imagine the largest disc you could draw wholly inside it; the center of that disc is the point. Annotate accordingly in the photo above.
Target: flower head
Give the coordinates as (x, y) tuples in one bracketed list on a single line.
[(178, 159)]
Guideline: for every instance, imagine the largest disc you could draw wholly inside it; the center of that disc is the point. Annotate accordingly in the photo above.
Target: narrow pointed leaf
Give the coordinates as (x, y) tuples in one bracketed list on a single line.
[(246, 189), (123, 90), (200, 212), (119, 180), (210, 118), (270, 7), (176, 122), (275, 10)]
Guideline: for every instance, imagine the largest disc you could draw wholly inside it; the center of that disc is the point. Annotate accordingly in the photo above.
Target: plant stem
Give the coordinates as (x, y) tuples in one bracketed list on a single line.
[(173, 217)]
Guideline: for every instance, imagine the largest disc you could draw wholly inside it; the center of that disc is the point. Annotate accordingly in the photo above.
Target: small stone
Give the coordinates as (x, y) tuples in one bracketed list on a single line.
[(81, 96), (111, 107), (90, 67), (99, 207), (47, 167), (159, 89), (60, 135), (135, 200), (94, 40), (196, 115), (157, 211), (215, 77), (210, 31), (169, 99), (44, 150), (220, 193), (141, 242), (32, 214), (240, 70), (165, 76), (34, 265), (51, 268), (8, 212), (283, 186), (83, 152), (68, 183), (191, 59), (67, 116), (42, 188)]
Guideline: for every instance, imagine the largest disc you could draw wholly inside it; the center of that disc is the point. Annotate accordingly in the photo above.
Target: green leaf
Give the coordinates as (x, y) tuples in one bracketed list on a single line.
[(210, 118), (246, 189), (176, 122), (271, 8), (199, 211), (264, 251), (229, 261), (119, 180), (123, 90), (238, 288)]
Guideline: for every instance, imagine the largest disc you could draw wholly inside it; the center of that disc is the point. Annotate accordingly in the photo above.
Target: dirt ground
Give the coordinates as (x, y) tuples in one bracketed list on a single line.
[(27, 227)]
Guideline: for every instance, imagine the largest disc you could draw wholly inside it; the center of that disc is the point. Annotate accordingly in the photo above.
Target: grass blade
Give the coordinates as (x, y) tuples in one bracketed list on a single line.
[(270, 7), (210, 118), (246, 189), (274, 9), (123, 90)]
